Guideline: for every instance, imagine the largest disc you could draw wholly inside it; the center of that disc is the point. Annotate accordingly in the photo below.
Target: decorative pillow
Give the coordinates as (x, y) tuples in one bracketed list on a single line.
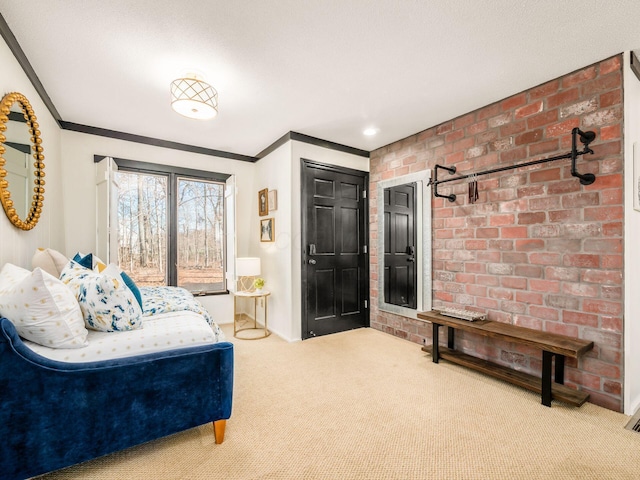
[(92, 262), (85, 260), (49, 260), (106, 302), (132, 286), (41, 307)]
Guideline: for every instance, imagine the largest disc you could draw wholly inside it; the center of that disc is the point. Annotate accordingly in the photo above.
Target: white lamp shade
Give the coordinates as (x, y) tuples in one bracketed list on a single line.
[(247, 266)]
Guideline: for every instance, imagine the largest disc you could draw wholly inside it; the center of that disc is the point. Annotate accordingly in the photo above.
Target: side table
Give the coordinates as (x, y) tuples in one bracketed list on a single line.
[(255, 295)]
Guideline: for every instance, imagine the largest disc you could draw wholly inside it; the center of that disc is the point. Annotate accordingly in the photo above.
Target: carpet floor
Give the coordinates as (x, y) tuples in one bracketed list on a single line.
[(366, 405)]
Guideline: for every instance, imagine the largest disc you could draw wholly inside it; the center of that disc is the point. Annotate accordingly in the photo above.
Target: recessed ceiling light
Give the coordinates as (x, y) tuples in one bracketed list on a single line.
[(370, 131)]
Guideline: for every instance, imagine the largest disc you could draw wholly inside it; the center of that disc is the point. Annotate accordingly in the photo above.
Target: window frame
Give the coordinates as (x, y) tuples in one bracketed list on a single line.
[(173, 174)]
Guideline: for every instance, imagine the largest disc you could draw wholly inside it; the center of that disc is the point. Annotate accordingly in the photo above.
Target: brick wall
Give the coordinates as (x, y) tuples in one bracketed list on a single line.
[(536, 249)]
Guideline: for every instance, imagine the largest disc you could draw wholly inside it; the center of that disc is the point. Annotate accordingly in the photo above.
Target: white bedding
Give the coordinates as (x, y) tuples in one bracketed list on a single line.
[(159, 332)]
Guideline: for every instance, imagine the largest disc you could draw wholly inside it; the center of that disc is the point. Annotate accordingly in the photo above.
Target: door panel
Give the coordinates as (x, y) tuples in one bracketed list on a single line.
[(400, 273), (334, 263)]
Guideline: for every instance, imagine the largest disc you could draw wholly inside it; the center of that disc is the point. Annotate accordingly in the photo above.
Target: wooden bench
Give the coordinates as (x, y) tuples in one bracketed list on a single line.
[(551, 344)]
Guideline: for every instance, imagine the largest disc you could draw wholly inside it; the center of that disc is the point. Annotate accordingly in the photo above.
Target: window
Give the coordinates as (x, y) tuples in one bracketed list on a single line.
[(171, 226)]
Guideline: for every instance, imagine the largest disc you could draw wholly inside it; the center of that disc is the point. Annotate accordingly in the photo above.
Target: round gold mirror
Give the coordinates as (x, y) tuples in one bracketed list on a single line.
[(19, 137)]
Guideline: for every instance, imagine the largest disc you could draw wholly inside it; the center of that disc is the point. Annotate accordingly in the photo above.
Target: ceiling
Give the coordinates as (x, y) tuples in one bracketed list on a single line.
[(324, 68)]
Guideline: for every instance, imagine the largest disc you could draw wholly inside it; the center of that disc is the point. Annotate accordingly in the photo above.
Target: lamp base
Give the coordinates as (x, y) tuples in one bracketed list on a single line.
[(242, 284)]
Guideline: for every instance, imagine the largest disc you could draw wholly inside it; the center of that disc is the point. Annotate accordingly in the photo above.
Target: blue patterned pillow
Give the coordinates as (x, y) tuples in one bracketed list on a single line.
[(85, 260), (107, 304)]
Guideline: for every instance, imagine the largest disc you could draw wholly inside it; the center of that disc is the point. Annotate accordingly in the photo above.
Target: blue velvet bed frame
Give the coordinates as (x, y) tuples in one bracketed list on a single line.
[(55, 414)]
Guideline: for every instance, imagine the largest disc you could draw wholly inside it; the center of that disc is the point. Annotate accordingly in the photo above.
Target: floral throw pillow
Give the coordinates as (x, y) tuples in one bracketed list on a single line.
[(107, 304)]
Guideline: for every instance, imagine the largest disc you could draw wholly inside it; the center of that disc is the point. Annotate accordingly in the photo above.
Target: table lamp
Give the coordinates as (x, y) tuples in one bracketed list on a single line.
[(247, 268)]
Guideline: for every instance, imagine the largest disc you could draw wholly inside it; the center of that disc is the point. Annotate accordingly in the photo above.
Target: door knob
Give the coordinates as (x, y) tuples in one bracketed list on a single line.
[(312, 261)]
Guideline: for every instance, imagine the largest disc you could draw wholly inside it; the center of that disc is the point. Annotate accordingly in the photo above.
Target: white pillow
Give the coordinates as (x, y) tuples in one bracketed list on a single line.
[(41, 307), (49, 260), (107, 304)]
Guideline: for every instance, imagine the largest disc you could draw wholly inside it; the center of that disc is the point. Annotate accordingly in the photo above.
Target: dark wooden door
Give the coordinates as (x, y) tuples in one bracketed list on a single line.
[(400, 273), (335, 280)]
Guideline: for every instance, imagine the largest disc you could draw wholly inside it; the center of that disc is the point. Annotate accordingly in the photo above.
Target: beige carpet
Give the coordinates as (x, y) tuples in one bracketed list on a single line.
[(366, 405)]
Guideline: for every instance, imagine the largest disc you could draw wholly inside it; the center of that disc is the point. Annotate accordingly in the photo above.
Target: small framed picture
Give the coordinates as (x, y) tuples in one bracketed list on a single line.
[(636, 177), (267, 230), (263, 202), (273, 200)]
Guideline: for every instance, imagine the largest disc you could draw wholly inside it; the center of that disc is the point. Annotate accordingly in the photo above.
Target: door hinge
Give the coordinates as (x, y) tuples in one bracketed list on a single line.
[(366, 304), (364, 249), (364, 194)]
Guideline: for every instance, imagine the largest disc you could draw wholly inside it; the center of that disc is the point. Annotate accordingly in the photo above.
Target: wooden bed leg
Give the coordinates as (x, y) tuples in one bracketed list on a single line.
[(218, 430)]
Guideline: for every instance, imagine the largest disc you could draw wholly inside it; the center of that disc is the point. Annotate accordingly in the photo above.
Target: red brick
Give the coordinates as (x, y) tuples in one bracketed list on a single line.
[(604, 213), (610, 65), (545, 89), (543, 147), (513, 102), (465, 120), (529, 245), (516, 283), (554, 327), (503, 219), (545, 258), (512, 155), (607, 181), (548, 286), (487, 232), (563, 216), (603, 83), (563, 97), (475, 244), (513, 232), (529, 271), (611, 98), (601, 307), (530, 191), (472, 267), (544, 313), (598, 367), (580, 200), (547, 175), (614, 229), (559, 273), (477, 128), (581, 260), (444, 128), (562, 128), (529, 297), (580, 290), (515, 257), (611, 132), (544, 118), (528, 110), (603, 245), (579, 318), (531, 136), (528, 218), (579, 77), (513, 128), (612, 261)]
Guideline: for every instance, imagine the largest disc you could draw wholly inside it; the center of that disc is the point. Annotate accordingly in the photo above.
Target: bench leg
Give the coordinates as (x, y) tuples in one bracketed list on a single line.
[(450, 337), (559, 374), (547, 357), (435, 351)]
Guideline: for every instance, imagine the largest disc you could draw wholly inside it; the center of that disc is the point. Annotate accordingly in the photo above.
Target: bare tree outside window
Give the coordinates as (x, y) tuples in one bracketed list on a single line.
[(200, 234), (144, 222), (142, 227)]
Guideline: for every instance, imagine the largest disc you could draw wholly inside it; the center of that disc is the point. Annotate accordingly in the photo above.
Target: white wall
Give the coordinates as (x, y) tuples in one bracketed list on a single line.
[(631, 250), (17, 246), (273, 172), (79, 205)]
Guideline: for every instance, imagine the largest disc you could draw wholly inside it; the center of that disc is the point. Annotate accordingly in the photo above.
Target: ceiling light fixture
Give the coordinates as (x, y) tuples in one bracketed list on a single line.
[(370, 131), (194, 98)]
